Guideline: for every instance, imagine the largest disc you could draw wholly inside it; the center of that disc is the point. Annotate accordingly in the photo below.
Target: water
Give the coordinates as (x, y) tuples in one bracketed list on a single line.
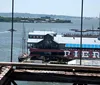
[(58, 27)]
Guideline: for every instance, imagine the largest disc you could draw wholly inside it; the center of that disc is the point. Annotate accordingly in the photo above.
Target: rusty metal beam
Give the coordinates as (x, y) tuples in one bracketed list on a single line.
[(57, 67), (5, 72), (53, 77)]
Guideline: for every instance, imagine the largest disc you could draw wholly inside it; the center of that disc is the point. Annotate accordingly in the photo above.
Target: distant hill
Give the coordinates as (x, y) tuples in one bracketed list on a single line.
[(36, 15), (28, 15)]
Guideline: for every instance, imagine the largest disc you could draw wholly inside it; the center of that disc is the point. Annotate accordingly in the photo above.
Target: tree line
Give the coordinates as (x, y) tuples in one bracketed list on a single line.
[(34, 20)]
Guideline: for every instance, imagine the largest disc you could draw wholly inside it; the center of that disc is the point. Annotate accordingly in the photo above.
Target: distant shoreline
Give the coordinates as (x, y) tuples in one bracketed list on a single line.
[(45, 19), (41, 15)]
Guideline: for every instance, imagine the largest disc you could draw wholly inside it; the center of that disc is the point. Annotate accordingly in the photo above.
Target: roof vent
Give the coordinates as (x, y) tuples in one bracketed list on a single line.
[(94, 40), (73, 37)]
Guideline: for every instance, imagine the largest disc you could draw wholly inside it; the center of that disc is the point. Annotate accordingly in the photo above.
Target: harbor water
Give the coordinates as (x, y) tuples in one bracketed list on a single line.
[(60, 28)]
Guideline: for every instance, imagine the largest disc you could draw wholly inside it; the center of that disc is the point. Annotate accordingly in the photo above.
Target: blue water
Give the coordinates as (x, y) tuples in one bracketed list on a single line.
[(5, 37)]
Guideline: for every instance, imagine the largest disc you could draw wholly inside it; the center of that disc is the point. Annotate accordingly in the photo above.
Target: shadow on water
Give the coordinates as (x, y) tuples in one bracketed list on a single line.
[(45, 83), (41, 83)]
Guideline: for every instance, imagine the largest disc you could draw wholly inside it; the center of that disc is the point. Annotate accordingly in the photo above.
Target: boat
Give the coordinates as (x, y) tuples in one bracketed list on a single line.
[(11, 30), (23, 54), (49, 46)]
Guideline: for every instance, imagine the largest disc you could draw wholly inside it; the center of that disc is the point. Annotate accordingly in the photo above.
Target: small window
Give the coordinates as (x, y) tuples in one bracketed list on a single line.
[(30, 36), (33, 37), (41, 37)]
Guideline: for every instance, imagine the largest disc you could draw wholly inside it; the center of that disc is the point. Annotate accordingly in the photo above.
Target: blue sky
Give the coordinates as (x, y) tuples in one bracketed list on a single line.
[(56, 7)]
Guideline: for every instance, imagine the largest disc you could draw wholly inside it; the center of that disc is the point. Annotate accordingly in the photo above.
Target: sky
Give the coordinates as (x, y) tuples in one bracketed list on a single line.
[(54, 7)]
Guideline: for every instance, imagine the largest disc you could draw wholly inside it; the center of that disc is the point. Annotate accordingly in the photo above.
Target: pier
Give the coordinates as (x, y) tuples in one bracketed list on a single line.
[(10, 72)]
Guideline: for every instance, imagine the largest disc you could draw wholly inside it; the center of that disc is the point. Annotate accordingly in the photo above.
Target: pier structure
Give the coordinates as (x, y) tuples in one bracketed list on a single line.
[(10, 72)]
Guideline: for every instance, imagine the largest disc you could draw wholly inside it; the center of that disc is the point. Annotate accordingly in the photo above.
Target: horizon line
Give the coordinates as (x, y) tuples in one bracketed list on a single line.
[(50, 14)]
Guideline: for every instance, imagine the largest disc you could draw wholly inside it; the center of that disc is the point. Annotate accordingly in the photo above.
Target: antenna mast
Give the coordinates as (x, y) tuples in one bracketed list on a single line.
[(12, 30), (81, 31), (99, 24), (23, 39)]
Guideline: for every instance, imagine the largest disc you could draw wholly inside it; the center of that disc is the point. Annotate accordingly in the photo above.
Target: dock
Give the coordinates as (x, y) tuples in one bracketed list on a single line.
[(15, 71)]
